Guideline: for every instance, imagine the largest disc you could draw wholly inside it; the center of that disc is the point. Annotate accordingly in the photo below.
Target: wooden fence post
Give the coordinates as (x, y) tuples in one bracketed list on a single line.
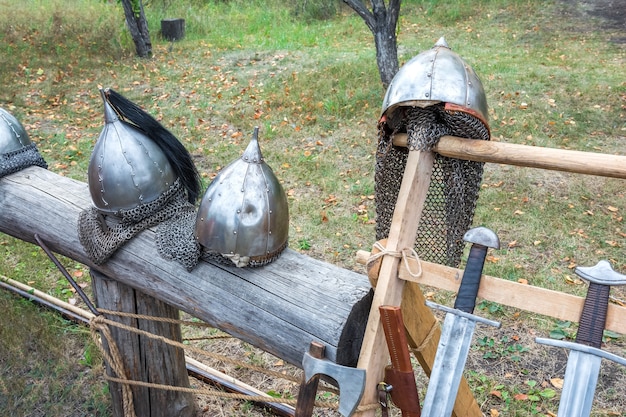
[(145, 359)]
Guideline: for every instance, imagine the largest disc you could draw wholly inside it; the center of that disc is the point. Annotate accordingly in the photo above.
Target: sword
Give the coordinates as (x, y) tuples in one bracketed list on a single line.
[(458, 328), (583, 364)]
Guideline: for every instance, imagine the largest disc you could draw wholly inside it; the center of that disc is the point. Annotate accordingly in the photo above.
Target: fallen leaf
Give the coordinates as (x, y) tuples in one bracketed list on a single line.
[(523, 281), (72, 301), (520, 397), (77, 274), (611, 208), (496, 393), (494, 413), (557, 382), (520, 212)]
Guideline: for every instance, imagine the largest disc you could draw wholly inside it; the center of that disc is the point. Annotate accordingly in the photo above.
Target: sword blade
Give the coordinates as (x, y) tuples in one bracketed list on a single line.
[(454, 344), (579, 386)]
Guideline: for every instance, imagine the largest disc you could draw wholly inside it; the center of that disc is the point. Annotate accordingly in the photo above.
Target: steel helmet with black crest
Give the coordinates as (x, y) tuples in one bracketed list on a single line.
[(16, 149), (139, 175), (436, 93)]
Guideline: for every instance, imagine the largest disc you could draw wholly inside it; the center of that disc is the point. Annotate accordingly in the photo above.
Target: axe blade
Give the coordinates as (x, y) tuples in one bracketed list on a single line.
[(351, 381)]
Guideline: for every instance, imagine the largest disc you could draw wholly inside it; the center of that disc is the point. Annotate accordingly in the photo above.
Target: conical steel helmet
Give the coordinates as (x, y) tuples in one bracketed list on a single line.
[(244, 214), (437, 76), (13, 136), (127, 168), (16, 149)]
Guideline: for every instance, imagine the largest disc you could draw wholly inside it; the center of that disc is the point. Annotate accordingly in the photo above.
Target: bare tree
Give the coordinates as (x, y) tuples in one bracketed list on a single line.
[(382, 21), (138, 26)]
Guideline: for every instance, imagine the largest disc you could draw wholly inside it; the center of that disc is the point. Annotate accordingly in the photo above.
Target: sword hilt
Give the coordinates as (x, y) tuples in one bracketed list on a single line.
[(482, 239), (593, 317)]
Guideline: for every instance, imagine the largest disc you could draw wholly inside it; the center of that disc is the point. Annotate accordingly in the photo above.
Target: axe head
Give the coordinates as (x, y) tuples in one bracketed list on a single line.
[(351, 381)]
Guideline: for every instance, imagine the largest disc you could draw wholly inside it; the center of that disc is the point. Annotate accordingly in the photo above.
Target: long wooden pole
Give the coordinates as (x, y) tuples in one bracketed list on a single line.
[(580, 162), (411, 198)]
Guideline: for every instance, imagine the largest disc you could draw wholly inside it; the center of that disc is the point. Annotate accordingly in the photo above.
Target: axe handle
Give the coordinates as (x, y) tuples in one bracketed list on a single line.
[(308, 389)]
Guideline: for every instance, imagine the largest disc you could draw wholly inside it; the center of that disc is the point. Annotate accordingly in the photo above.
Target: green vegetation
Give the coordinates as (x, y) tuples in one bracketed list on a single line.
[(308, 78)]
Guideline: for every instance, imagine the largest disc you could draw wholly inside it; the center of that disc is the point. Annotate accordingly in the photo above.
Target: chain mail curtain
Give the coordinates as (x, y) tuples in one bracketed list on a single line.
[(453, 191)]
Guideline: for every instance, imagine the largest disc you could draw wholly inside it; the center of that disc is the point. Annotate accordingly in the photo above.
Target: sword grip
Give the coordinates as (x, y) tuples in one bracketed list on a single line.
[(593, 317), (466, 297)]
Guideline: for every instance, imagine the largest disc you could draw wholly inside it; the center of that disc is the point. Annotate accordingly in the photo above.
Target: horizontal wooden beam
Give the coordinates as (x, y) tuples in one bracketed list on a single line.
[(280, 308), (580, 162), (529, 298)]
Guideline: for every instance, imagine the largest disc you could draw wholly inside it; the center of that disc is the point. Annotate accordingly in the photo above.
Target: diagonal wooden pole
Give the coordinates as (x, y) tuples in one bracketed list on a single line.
[(389, 290), (374, 355)]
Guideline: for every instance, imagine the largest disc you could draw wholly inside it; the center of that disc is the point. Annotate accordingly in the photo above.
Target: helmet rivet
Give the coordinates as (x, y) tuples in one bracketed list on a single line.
[(234, 232), (427, 94)]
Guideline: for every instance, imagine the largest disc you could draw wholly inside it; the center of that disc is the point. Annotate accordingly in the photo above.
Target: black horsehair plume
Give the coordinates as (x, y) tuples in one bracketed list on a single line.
[(176, 153)]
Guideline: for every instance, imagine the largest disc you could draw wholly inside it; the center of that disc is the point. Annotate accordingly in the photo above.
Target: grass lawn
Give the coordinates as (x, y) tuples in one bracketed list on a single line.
[(553, 72)]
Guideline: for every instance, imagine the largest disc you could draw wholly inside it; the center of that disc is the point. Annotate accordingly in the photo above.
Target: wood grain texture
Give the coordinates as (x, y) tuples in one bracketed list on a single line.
[(529, 298), (146, 359), (280, 308), (566, 160), (389, 290)]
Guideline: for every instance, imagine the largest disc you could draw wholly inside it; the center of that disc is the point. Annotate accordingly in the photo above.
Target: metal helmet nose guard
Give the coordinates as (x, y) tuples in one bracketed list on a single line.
[(244, 214), (139, 176), (16, 149), (434, 94)]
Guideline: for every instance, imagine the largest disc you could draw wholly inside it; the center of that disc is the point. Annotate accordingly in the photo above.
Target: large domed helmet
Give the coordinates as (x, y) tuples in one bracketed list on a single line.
[(434, 94), (16, 149), (139, 176), (244, 214), (437, 75)]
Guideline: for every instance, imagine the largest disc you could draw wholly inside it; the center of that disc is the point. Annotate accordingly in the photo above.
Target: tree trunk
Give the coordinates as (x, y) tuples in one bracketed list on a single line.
[(138, 27), (386, 53), (173, 29), (382, 22)]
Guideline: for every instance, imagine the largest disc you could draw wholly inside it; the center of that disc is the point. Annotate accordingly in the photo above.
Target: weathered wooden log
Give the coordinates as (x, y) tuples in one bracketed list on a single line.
[(173, 29), (280, 308), (145, 359)]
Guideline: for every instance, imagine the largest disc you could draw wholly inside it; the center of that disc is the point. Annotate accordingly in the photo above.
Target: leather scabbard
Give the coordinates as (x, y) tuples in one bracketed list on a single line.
[(400, 373)]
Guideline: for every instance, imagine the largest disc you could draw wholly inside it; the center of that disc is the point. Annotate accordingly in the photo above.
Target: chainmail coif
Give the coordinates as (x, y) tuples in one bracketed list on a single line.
[(101, 235), (17, 160), (453, 191)]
